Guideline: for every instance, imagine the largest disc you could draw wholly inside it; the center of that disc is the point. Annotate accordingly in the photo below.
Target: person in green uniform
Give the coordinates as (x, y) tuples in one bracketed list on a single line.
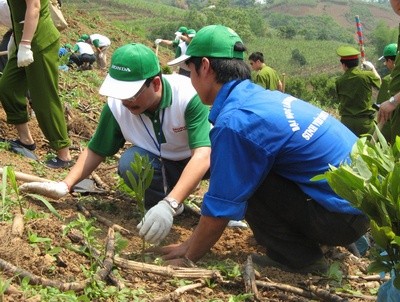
[(389, 110), (33, 66), (389, 55), (354, 91), (262, 74)]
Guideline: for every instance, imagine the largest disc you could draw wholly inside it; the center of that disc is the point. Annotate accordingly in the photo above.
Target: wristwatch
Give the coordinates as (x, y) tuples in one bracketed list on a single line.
[(173, 203), (392, 100)]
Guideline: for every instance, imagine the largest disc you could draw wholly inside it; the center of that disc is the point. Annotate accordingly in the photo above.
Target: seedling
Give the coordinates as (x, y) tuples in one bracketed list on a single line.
[(88, 232), (139, 183)]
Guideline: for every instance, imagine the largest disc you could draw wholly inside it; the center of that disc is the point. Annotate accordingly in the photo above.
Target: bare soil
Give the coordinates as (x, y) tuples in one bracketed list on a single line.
[(233, 248)]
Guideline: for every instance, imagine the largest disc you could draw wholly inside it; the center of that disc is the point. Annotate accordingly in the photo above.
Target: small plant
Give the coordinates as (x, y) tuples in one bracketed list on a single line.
[(228, 268), (88, 232), (4, 284), (139, 183)]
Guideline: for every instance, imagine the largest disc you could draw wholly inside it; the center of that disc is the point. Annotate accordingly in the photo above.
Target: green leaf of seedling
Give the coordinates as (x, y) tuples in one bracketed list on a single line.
[(378, 267), (47, 204), (382, 235)]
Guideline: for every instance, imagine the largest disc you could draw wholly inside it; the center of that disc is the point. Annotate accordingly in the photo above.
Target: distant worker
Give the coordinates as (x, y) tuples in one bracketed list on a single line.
[(389, 55), (354, 91), (83, 55), (181, 50), (264, 75), (180, 36), (101, 44)]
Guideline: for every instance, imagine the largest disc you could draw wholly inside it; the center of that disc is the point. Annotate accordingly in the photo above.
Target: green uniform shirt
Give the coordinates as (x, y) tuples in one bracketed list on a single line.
[(384, 92), (354, 90), (267, 78)]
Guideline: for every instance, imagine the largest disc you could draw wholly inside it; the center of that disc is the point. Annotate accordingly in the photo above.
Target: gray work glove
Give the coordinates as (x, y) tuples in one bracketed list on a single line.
[(158, 41), (54, 190), (157, 222), (11, 47), (367, 65), (24, 55)]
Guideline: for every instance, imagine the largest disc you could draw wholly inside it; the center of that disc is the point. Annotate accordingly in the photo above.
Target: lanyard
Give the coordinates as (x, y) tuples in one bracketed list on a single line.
[(157, 142)]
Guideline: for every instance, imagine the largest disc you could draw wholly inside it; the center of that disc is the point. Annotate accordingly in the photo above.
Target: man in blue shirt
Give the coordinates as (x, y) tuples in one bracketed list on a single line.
[(265, 148)]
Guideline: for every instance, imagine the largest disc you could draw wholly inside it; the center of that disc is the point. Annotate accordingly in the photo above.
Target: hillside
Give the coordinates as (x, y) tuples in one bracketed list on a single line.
[(144, 21), (342, 12)]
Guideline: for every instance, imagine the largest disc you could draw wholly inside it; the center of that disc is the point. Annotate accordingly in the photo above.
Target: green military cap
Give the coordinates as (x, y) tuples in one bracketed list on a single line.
[(347, 53)]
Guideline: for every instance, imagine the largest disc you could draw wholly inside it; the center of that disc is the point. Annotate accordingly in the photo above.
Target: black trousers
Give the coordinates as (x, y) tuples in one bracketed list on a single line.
[(292, 226), (3, 47)]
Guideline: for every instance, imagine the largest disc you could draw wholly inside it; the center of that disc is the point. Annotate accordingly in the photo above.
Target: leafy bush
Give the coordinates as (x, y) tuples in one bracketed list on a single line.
[(298, 57)]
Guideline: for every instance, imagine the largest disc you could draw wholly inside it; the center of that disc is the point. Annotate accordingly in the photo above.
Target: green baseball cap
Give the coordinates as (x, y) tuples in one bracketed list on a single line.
[(131, 65), (85, 37), (191, 33), (182, 30), (214, 41), (347, 53), (390, 50)]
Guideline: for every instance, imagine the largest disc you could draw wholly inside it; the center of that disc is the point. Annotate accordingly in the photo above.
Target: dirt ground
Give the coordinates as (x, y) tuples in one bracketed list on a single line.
[(69, 266)]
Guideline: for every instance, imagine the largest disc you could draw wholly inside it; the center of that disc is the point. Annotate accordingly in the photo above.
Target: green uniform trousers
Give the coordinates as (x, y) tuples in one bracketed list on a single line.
[(41, 79), (359, 125)]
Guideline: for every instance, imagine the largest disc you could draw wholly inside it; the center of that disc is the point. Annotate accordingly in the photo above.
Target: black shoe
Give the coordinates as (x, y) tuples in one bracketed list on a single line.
[(17, 147), (31, 147), (318, 267), (57, 163)]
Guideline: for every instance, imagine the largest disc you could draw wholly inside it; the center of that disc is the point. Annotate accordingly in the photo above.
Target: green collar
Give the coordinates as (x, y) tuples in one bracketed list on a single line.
[(166, 99)]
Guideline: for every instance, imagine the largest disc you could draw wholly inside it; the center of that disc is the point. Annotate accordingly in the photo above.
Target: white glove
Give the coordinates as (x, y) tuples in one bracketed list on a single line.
[(157, 41), (25, 55), (11, 47), (367, 65), (178, 35), (157, 222), (53, 190)]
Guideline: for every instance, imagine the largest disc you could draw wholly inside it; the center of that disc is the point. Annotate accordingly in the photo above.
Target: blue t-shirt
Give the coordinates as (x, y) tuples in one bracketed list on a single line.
[(257, 131)]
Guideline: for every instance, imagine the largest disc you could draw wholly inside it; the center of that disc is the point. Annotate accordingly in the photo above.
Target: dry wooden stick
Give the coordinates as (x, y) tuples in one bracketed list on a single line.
[(77, 237), (27, 177), (169, 271), (33, 279), (103, 220), (17, 228), (288, 288), (325, 295), (249, 279), (99, 181), (362, 297), (178, 292), (109, 255)]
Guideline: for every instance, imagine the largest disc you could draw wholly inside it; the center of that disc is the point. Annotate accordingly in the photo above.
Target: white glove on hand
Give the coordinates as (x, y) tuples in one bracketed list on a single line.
[(178, 35), (53, 190), (157, 41), (367, 65), (24, 56), (157, 222), (11, 47)]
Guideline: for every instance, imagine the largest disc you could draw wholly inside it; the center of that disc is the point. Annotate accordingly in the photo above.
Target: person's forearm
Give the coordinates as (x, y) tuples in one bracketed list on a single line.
[(192, 174), (206, 234), (87, 162), (31, 20)]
